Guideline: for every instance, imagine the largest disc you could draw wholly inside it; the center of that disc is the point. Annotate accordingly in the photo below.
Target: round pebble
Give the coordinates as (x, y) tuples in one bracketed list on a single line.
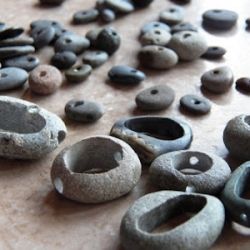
[(121, 6), (45, 79), (172, 16), (214, 52), (155, 98), (84, 111), (95, 58), (243, 84), (156, 37), (154, 25), (195, 104), (188, 45), (218, 80), (157, 57), (183, 27), (108, 15), (78, 74), (85, 16), (64, 59)]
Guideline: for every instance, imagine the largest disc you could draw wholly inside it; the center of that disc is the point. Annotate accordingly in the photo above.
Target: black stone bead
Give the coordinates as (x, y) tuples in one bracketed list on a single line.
[(214, 52), (85, 16), (243, 84), (64, 59)]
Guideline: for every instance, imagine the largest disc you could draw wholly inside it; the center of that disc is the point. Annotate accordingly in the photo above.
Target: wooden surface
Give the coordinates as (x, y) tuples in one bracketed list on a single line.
[(32, 215)]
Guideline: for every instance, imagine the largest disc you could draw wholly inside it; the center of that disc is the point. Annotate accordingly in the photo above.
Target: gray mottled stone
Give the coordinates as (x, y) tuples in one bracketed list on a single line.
[(64, 59), (172, 15), (95, 58), (121, 6), (85, 16), (183, 27), (154, 25), (78, 73), (17, 41), (156, 37)]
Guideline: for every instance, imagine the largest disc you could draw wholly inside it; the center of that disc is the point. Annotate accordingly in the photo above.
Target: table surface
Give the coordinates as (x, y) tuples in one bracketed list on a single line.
[(32, 214)]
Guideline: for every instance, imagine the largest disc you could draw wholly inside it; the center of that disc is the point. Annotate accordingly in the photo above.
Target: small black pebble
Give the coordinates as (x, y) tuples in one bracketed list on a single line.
[(243, 84), (214, 52)]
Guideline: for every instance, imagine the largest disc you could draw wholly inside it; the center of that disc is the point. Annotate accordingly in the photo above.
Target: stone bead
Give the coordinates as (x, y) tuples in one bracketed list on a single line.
[(236, 137), (151, 136), (92, 35), (10, 32), (108, 15), (219, 19), (154, 25), (45, 79), (236, 205), (218, 80), (158, 97), (214, 52), (156, 37), (89, 170), (142, 3), (83, 111), (11, 78), (247, 23), (28, 131), (243, 84), (85, 16), (52, 2), (157, 57), (121, 6), (17, 41), (154, 209), (12, 51), (183, 27), (95, 58), (190, 171), (64, 59), (27, 63), (188, 45), (108, 40), (72, 42), (78, 74), (195, 104), (126, 75), (172, 16)]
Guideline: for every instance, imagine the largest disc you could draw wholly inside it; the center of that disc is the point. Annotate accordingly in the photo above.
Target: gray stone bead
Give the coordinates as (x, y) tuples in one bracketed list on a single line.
[(142, 3), (108, 15), (85, 16), (154, 25), (51, 2), (190, 171), (64, 59), (218, 80), (92, 35), (189, 45), (155, 37), (96, 169), (95, 58), (151, 136), (158, 97), (11, 78), (237, 206), (28, 131), (78, 74), (72, 42), (183, 27), (152, 210), (236, 137), (214, 53), (84, 111), (172, 16), (17, 41), (157, 57), (121, 6), (12, 51)]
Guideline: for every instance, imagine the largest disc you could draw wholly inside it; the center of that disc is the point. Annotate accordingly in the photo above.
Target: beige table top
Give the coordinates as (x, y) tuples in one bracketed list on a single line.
[(32, 215)]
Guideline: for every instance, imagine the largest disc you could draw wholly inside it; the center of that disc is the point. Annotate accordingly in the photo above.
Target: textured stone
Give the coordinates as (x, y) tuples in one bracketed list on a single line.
[(156, 37), (64, 59), (152, 210), (154, 25), (89, 170), (78, 74), (28, 131), (95, 58), (12, 51), (85, 16), (214, 52), (172, 16)]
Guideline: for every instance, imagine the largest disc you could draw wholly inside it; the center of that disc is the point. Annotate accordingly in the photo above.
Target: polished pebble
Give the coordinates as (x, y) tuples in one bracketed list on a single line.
[(45, 79), (157, 57), (172, 16), (183, 27), (72, 42), (219, 19), (11, 32), (182, 2), (126, 75), (188, 45), (195, 104), (108, 40), (158, 97), (121, 6), (78, 74), (142, 3), (11, 78), (64, 59), (17, 41), (107, 15), (95, 58), (85, 16), (12, 51), (84, 111), (27, 62), (243, 84), (154, 25), (214, 52), (155, 37), (92, 35), (52, 2), (218, 80)]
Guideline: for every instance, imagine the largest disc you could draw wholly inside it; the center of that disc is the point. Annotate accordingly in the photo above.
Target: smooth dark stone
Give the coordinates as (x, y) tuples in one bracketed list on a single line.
[(52, 2), (243, 84), (95, 58), (64, 59), (120, 6), (11, 78), (85, 16), (78, 74), (108, 15), (11, 32), (219, 19), (84, 111), (92, 35), (108, 40), (13, 51), (233, 198), (195, 104), (72, 42), (248, 23), (214, 52), (142, 3), (151, 136), (126, 75), (154, 25), (183, 27), (17, 41), (27, 62), (156, 98)]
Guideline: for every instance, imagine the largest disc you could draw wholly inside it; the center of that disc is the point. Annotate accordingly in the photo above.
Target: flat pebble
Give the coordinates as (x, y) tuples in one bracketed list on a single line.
[(78, 74), (218, 80), (182, 2), (64, 59), (85, 16), (195, 104), (95, 58), (243, 84), (214, 52), (183, 27), (12, 51), (107, 15), (17, 41), (158, 97), (154, 25), (157, 57), (121, 6), (188, 45), (155, 37), (10, 32), (45, 79), (142, 3), (92, 35), (172, 16)]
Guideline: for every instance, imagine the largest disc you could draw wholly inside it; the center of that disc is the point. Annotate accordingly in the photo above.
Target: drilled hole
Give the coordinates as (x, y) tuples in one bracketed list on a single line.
[(186, 35), (114, 33), (217, 11), (133, 71), (84, 13), (214, 48), (156, 25), (154, 92), (31, 59), (157, 32), (3, 75), (196, 102), (172, 10), (193, 160), (78, 103), (68, 40), (43, 73), (160, 49), (216, 72)]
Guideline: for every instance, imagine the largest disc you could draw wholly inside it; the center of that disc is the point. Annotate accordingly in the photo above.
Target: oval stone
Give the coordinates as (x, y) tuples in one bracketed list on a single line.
[(95, 58), (108, 15), (78, 74), (214, 52), (172, 16), (92, 35), (183, 27), (155, 37), (10, 32), (85, 16), (12, 51), (121, 6), (154, 25), (243, 84), (64, 59), (17, 41)]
